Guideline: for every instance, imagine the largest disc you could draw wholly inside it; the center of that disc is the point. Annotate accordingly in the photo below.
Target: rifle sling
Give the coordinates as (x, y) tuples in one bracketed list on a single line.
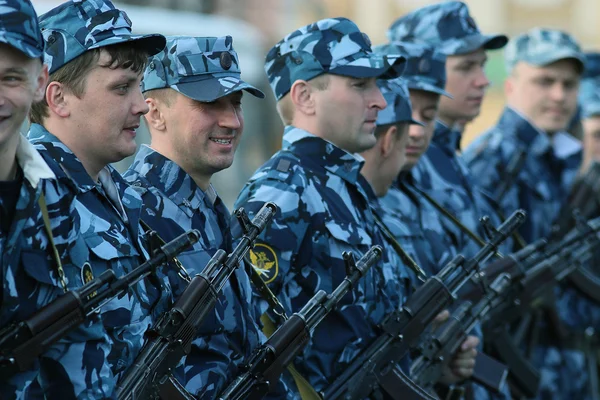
[(181, 271), (59, 268), (412, 264), (453, 219)]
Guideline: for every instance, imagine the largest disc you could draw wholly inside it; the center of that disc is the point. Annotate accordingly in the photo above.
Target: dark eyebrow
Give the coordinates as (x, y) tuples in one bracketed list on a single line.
[(14, 70)]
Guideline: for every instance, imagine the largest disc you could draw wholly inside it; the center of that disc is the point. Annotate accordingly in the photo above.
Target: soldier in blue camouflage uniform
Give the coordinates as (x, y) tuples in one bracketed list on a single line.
[(88, 118), (442, 173), (194, 92), (544, 68), (23, 172), (323, 76), (589, 103), (414, 222)]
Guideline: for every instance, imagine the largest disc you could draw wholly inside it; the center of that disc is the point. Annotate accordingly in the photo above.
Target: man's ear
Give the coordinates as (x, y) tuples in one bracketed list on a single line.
[(155, 117), (41, 83), (388, 140), (57, 99), (302, 96)]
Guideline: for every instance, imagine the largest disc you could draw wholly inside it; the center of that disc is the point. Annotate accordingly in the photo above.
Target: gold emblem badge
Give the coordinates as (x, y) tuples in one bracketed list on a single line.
[(264, 260), (87, 275)]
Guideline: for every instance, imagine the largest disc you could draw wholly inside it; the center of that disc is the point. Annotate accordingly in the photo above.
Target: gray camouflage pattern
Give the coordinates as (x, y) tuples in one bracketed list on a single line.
[(332, 45), (76, 26), (447, 26), (540, 46), (19, 27), (202, 68)]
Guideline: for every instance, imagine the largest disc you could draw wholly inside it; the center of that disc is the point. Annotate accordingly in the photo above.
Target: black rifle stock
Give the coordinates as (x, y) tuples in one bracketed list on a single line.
[(401, 330), (270, 359), (23, 342), (170, 339)]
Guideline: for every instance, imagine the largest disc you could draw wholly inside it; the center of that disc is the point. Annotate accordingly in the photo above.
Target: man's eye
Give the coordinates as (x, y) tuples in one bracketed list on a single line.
[(12, 78)]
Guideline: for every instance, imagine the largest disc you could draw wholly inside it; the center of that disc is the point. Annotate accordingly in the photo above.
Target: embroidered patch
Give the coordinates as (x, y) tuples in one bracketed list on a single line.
[(264, 260)]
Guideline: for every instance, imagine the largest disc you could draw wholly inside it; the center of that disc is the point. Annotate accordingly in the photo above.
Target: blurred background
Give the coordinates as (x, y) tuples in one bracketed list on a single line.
[(256, 25)]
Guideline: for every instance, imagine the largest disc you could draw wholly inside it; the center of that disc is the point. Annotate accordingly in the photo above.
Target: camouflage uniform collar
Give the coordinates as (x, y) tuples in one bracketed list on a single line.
[(323, 153), (535, 140), (446, 138), (70, 166), (171, 179), (32, 163)]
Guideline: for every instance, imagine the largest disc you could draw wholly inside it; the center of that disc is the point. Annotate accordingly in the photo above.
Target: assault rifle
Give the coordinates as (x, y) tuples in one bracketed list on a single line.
[(535, 271), (269, 360), (375, 367), (439, 347), (23, 342), (170, 339), (583, 203)]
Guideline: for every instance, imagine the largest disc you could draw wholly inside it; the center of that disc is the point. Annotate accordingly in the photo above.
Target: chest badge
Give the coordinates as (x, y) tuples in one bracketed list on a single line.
[(264, 260), (87, 275)]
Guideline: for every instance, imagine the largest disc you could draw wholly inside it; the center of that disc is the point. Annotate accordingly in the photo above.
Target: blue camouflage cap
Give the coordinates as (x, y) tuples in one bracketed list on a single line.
[(398, 109), (447, 26), (77, 26), (541, 47), (19, 27), (589, 90), (332, 45), (201, 68), (592, 65), (425, 67)]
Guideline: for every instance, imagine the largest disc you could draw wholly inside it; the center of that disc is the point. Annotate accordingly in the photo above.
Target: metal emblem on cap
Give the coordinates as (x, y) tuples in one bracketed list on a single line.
[(424, 66), (471, 22), (367, 39), (225, 59)]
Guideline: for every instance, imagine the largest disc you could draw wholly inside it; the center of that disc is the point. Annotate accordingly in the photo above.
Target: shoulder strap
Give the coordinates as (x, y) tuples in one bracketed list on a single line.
[(59, 268)]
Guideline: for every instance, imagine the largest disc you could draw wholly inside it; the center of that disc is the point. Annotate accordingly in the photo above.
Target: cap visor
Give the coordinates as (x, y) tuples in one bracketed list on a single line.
[(415, 122), (152, 44), (21, 45), (552, 57), (211, 89), (392, 67), (495, 42), (468, 44), (427, 87)]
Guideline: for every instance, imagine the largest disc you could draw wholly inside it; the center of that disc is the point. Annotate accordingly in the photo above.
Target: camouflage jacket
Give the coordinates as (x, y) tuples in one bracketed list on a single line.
[(100, 228), (173, 204), (324, 210)]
